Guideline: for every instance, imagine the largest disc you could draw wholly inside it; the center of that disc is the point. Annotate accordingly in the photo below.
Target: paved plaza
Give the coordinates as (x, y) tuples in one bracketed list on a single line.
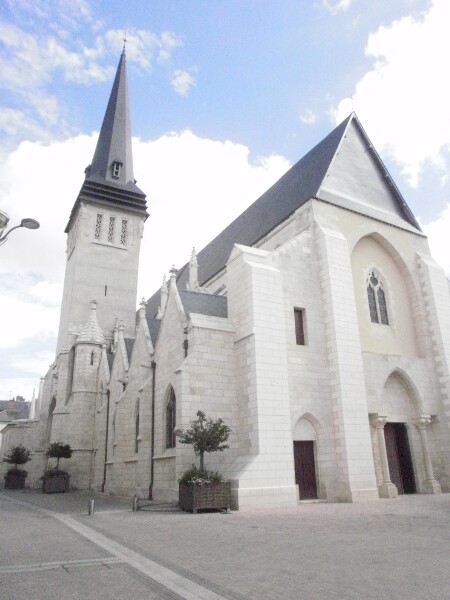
[(51, 548)]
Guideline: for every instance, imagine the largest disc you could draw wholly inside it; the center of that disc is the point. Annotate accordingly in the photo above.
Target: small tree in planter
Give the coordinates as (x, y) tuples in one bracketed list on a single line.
[(15, 477), (200, 488), (55, 479)]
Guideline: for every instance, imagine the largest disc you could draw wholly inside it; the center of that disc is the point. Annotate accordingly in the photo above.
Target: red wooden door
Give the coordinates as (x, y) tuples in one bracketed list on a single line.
[(305, 470), (393, 458), (399, 457)]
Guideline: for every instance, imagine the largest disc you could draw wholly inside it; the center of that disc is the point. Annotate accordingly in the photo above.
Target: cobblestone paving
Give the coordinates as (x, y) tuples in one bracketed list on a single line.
[(392, 549)]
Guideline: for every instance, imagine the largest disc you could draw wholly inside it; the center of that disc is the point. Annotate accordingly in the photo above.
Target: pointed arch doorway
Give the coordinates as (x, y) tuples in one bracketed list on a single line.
[(305, 459), (399, 457)]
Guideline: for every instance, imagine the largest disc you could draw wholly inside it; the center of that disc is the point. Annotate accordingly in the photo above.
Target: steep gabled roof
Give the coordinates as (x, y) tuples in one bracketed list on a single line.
[(343, 169), (294, 188), (357, 179), (153, 328)]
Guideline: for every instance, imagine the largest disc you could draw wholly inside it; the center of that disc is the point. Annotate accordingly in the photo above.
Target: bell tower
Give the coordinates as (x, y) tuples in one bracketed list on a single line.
[(105, 228)]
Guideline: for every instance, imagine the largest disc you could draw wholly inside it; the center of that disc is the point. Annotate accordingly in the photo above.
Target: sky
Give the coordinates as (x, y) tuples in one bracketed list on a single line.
[(225, 96)]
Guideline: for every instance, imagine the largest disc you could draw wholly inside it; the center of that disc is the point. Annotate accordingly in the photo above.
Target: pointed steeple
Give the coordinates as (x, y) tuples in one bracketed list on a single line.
[(110, 178), (113, 160)]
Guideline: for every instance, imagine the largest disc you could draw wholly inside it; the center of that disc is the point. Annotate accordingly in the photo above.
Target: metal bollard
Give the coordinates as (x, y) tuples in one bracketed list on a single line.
[(91, 507), (135, 503)]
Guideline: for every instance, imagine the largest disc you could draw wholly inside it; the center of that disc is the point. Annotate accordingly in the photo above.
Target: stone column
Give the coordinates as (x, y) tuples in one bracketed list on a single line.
[(386, 489), (431, 486)]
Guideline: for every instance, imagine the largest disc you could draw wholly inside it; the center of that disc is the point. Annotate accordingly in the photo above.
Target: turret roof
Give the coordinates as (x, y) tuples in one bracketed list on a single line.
[(91, 332)]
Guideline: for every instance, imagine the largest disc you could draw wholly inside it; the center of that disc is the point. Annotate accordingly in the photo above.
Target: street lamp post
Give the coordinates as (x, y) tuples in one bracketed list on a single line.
[(4, 220)]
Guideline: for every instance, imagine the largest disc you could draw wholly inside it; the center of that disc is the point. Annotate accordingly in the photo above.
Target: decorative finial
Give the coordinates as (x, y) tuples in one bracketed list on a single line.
[(142, 308), (173, 272), (124, 39)]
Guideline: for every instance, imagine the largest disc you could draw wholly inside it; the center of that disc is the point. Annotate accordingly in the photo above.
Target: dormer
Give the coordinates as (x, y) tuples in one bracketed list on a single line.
[(116, 168)]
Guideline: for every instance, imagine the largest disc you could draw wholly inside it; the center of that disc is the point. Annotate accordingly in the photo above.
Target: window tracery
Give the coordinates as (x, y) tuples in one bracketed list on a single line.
[(123, 233), (377, 299), (98, 227), (112, 221)]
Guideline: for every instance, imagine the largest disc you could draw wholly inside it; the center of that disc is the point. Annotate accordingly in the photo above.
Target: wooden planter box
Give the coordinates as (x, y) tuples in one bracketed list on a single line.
[(210, 496), (15, 480), (55, 485)]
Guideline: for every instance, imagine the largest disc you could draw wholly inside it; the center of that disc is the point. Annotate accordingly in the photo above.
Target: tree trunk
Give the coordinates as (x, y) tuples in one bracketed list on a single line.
[(202, 463)]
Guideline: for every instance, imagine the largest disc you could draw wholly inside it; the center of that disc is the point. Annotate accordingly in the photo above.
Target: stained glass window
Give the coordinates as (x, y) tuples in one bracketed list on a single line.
[(377, 299)]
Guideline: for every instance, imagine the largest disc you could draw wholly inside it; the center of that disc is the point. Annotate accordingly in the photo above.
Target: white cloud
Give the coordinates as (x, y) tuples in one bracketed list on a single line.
[(308, 117), (338, 6), (182, 81), (44, 43), (438, 234), (403, 100), (192, 181)]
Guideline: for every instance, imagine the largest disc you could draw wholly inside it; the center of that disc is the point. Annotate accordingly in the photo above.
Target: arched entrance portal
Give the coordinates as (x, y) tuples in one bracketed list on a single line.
[(399, 457), (304, 459)]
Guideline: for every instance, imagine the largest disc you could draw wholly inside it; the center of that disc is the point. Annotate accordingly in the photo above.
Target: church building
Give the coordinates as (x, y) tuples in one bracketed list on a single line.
[(316, 325)]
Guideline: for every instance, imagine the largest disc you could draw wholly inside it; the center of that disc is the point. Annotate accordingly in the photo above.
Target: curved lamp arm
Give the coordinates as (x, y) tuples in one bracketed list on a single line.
[(27, 223)]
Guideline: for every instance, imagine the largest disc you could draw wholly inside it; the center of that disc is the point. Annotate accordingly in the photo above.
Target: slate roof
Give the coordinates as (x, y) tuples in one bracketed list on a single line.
[(153, 305), (294, 188), (301, 183), (153, 327), (110, 357), (129, 343), (204, 304)]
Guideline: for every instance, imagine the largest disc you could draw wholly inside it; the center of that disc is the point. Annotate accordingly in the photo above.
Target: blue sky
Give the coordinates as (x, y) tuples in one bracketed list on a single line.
[(225, 96)]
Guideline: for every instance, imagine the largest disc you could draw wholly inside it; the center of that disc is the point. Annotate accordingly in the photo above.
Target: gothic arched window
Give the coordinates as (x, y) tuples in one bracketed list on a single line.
[(136, 429), (377, 299), (171, 420)]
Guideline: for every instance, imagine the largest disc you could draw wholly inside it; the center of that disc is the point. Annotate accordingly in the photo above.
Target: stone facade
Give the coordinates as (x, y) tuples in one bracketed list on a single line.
[(326, 331)]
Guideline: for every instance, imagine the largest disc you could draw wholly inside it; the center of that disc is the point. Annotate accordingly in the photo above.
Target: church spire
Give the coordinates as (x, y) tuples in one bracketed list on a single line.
[(113, 159), (110, 178)]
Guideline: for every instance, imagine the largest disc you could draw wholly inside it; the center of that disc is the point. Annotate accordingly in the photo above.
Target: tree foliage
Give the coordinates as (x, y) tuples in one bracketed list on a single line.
[(205, 435), (59, 450), (17, 455)]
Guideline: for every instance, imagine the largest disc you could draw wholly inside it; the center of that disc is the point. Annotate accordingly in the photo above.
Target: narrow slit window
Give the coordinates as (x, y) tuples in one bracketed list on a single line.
[(171, 420), (299, 318), (98, 227), (123, 232), (136, 430), (112, 221)]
